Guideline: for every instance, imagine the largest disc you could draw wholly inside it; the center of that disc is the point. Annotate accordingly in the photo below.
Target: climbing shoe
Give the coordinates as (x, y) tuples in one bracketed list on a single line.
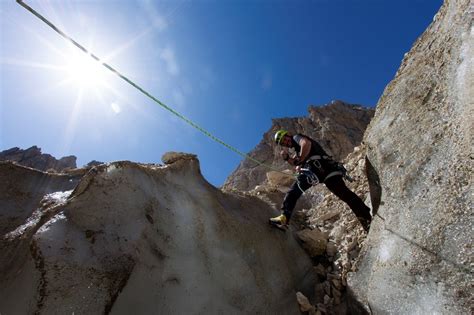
[(365, 224), (279, 220)]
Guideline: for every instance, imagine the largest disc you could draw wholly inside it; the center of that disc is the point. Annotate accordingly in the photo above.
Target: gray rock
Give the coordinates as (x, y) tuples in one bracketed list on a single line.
[(418, 256)]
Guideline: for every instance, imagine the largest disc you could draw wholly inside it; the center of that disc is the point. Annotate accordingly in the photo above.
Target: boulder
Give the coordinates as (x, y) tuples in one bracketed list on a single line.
[(314, 241), (172, 157), (305, 305)]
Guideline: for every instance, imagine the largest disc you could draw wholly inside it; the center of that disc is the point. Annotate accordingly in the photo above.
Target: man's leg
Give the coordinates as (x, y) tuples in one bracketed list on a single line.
[(293, 195), (337, 186)]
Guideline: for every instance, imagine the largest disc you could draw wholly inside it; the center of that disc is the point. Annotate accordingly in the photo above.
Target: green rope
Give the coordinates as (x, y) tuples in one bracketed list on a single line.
[(123, 77)]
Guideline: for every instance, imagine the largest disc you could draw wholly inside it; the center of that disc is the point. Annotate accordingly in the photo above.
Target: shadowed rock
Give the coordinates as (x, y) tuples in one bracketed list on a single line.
[(32, 157)]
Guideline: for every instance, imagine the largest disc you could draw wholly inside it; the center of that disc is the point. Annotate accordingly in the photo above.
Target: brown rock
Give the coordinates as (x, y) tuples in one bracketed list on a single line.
[(314, 241), (327, 287), (320, 270), (172, 157), (327, 300), (336, 283), (331, 249), (319, 292), (305, 305), (322, 308), (277, 179)]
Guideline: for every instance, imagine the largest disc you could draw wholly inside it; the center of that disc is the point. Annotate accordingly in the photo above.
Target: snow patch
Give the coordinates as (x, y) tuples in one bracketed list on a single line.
[(111, 169), (30, 222), (46, 227), (58, 197)]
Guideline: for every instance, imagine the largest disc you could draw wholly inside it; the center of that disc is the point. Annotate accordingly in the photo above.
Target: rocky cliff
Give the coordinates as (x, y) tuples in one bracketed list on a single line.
[(142, 238), (337, 126), (32, 157), (418, 257), (132, 238)]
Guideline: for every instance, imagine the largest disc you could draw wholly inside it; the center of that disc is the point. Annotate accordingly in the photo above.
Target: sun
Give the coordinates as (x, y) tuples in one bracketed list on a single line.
[(84, 71)]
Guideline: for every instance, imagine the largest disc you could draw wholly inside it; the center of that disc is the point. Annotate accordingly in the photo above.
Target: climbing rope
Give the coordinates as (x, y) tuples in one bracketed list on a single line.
[(123, 77)]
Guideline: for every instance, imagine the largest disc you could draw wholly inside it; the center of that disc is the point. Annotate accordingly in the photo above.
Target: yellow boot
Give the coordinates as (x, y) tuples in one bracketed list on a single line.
[(280, 220)]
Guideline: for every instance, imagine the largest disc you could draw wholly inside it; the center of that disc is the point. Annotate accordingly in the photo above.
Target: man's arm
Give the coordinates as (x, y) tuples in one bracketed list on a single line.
[(305, 145)]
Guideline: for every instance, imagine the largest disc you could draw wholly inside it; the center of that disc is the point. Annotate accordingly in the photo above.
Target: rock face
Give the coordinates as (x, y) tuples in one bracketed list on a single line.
[(33, 158), (136, 238), (418, 257), (23, 189), (337, 126)]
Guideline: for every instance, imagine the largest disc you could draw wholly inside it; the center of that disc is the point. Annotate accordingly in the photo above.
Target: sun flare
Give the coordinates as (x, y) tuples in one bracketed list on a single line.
[(84, 71)]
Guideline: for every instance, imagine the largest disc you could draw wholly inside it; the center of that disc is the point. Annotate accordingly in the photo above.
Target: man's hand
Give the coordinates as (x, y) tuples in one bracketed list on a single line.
[(298, 169), (284, 154)]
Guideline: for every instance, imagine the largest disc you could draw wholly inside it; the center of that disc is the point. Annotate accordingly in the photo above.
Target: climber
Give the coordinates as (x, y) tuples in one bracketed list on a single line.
[(315, 166)]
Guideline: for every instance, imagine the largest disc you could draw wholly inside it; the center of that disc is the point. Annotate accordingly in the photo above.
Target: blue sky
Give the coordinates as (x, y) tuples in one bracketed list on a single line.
[(230, 66)]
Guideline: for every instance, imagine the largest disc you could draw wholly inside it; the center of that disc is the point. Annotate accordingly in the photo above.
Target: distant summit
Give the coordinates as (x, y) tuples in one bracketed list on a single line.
[(32, 157)]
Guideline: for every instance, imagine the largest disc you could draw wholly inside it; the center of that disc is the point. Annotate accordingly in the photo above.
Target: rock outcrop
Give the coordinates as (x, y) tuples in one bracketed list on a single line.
[(337, 126), (418, 257), (32, 157), (145, 238)]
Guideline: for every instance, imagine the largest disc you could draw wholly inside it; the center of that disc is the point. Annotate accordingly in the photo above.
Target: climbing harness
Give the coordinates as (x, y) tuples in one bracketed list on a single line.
[(136, 86), (307, 175), (339, 167)]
